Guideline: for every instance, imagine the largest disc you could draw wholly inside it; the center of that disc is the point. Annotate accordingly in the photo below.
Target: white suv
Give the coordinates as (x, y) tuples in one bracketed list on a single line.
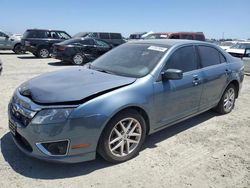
[(10, 42)]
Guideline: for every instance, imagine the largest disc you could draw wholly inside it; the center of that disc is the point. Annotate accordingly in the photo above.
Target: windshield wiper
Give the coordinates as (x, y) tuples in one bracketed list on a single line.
[(105, 71), (100, 70)]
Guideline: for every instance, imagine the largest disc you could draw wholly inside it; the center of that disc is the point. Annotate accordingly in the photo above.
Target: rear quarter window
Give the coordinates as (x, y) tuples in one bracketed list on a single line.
[(209, 56)]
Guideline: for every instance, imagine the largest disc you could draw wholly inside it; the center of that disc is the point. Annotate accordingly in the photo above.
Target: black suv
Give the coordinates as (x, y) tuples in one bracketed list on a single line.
[(114, 39), (40, 41)]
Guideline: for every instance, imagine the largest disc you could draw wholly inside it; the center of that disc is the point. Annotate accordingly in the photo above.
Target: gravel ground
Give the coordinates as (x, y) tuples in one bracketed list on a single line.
[(205, 151)]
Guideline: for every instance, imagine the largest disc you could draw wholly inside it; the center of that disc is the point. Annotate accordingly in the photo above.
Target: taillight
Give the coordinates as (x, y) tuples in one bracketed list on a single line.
[(62, 48)]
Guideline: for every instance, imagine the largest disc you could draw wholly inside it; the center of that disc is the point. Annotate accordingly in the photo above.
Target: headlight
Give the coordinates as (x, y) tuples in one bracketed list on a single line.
[(52, 116)]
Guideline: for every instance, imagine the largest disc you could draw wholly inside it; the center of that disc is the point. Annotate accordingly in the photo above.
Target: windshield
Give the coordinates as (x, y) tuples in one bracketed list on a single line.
[(226, 43), (241, 46), (132, 60), (71, 41), (81, 34)]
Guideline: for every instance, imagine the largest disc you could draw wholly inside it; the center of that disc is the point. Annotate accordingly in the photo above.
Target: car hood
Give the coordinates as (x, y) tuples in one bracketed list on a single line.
[(71, 85), (233, 50)]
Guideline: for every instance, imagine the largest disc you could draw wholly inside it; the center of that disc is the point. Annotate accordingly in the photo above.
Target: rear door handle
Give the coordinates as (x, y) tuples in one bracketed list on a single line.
[(196, 80), (228, 71)]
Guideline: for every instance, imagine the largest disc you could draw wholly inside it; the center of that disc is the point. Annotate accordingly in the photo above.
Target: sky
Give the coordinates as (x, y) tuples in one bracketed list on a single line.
[(213, 17)]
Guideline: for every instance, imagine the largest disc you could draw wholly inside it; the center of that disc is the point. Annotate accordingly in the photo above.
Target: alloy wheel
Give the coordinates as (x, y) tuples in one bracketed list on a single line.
[(229, 99), (44, 53), (78, 59), (125, 137)]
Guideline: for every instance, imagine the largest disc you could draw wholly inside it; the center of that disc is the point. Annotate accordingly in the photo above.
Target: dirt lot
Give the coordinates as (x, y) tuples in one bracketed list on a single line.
[(205, 151)]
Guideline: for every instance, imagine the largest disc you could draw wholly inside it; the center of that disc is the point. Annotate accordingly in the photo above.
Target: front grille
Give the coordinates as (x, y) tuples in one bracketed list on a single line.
[(23, 120)]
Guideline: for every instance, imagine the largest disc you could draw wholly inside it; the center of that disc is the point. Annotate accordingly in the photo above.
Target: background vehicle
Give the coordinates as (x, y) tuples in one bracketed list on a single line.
[(80, 50), (177, 35), (111, 105), (246, 60), (238, 49), (1, 67), (112, 38), (136, 36), (10, 42), (40, 41), (227, 44)]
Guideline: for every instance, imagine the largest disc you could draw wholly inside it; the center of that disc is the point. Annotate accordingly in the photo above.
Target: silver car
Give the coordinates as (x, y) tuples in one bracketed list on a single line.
[(246, 60), (10, 42)]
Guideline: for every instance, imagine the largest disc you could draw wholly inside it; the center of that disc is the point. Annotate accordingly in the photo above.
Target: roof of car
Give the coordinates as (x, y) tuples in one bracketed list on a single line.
[(182, 32), (168, 42), (44, 30)]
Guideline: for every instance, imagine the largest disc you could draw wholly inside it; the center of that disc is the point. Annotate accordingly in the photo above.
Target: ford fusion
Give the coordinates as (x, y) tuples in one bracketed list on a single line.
[(110, 106)]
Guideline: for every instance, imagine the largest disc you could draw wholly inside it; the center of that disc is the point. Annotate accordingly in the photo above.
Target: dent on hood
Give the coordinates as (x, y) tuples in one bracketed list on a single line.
[(77, 102)]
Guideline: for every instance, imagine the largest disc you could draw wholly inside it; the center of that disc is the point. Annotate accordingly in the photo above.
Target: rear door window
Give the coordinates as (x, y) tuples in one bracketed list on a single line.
[(102, 44), (104, 35), (62, 35), (87, 42), (209, 56), (53, 35), (184, 59), (115, 36), (35, 34)]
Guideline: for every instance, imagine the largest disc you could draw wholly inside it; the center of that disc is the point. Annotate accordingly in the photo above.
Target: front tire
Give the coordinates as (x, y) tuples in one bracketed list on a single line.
[(123, 137), (227, 100), (43, 53)]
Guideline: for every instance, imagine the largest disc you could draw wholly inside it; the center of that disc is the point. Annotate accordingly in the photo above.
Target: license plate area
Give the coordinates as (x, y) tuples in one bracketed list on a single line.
[(12, 128)]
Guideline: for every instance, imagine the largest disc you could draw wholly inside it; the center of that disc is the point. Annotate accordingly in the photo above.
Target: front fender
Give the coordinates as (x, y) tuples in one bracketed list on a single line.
[(102, 108)]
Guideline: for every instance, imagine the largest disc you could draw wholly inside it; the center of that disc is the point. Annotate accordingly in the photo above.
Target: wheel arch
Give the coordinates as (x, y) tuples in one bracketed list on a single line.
[(138, 109), (237, 86), (141, 111), (18, 43)]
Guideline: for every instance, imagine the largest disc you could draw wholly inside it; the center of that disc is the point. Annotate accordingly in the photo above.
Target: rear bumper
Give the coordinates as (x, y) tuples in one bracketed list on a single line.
[(31, 49), (61, 56)]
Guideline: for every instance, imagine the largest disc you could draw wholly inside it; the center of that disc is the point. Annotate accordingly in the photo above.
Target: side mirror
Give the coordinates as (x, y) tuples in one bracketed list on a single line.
[(172, 74), (7, 37)]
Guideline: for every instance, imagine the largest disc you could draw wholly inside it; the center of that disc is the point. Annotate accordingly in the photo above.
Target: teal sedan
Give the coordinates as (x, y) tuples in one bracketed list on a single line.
[(110, 105)]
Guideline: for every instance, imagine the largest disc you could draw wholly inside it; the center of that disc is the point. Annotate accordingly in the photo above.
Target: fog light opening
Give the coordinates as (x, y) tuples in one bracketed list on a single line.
[(57, 148)]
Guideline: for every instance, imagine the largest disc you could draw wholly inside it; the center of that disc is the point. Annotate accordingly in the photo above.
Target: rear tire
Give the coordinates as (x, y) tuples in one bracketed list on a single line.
[(18, 50), (78, 59), (227, 100), (123, 137)]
